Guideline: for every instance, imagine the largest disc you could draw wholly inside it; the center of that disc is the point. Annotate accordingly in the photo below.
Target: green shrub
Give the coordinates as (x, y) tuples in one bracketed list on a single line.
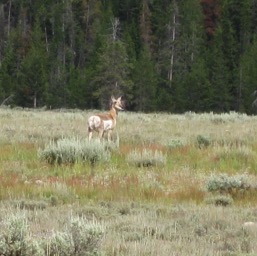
[(69, 151), (220, 200), (175, 143), (94, 151), (146, 158), (14, 238), (86, 236), (81, 238), (63, 151), (60, 244), (224, 183), (203, 141)]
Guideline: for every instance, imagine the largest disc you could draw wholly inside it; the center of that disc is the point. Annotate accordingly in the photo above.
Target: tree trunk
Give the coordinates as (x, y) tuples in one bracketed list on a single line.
[(173, 27), (35, 100), (9, 18), (46, 40), (239, 100)]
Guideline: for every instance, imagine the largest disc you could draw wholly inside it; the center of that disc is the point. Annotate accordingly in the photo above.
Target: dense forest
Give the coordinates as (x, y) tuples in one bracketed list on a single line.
[(168, 55)]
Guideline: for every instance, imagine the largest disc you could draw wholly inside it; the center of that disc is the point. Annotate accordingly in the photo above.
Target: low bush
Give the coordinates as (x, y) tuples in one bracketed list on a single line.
[(146, 158), (203, 141), (69, 151), (175, 143), (14, 238), (80, 237), (94, 151), (60, 244), (220, 200), (224, 183)]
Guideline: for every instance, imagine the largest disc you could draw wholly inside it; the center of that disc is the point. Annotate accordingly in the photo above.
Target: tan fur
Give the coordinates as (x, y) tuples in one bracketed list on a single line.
[(105, 122)]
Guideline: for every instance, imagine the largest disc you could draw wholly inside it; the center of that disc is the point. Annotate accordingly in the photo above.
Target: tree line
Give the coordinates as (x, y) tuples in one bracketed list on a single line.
[(169, 55)]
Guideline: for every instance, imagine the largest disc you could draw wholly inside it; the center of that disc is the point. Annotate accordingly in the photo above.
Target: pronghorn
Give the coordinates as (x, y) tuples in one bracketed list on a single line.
[(104, 122)]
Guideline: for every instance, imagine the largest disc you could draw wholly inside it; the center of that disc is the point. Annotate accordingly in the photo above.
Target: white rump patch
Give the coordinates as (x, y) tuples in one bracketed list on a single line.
[(94, 122), (107, 125)]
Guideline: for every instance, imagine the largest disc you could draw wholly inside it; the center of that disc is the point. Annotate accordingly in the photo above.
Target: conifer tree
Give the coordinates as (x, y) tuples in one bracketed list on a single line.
[(248, 65), (145, 80), (86, 50), (33, 72), (113, 68), (219, 75), (8, 72)]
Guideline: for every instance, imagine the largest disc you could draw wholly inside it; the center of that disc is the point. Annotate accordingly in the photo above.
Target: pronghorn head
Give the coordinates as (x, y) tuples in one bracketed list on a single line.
[(116, 103)]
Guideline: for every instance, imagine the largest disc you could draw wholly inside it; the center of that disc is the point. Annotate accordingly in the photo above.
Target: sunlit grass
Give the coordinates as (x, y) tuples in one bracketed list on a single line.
[(150, 210), (23, 133)]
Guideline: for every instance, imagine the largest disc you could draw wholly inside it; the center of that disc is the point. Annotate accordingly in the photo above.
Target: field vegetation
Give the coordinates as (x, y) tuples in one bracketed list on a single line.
[(166, 185)]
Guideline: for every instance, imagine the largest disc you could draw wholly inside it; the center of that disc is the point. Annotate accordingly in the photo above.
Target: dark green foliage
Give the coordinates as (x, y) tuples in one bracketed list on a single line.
[(248, 84), (7, 74), (203, 141), (112, 75), (220, 200), (32, 76), (160, 55), (145, 83)]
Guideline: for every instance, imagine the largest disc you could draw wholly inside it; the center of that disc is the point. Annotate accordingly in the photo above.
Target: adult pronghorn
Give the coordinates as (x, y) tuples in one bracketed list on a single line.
[(104, 122)]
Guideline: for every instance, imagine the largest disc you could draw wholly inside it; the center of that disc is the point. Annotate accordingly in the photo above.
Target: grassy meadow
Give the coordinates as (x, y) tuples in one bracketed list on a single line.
[(165, 207)]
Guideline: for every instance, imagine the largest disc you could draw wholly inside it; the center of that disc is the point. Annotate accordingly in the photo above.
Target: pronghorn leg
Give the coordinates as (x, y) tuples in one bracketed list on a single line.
[(90, 133), (101, 134), (109, 134)]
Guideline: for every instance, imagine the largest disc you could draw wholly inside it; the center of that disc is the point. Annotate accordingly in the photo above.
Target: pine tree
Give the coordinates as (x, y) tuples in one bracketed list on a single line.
[(33, 72), (218, 75), (145, 80), (113, 68), (248, 65), (8, 72), (196, 88)]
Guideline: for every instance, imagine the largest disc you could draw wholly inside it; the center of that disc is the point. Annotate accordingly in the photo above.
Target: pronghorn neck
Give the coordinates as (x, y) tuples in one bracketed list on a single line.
[(113, 112)]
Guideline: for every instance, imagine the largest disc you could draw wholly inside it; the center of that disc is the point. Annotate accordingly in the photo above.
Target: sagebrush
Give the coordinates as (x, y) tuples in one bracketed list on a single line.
[(70, 151)]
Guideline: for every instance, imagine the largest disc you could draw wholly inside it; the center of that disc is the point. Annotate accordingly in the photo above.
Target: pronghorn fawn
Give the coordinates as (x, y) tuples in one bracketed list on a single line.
[(102, 123)]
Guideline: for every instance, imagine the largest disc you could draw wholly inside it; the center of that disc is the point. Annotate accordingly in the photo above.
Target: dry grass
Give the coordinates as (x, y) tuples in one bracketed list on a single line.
[(148, 210), (232, 150), (133, 228)]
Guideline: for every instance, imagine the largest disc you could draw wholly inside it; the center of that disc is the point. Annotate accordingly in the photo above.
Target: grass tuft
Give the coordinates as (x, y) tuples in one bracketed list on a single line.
[(146, 158)]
